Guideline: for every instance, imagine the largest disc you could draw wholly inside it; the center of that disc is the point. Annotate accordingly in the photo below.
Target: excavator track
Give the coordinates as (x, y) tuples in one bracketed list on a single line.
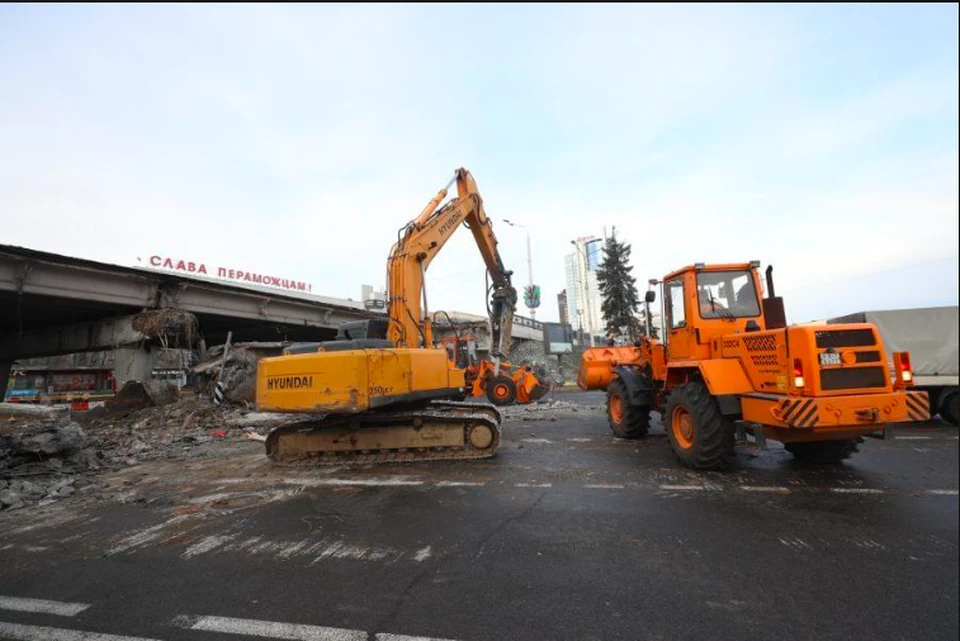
[(442, 430)]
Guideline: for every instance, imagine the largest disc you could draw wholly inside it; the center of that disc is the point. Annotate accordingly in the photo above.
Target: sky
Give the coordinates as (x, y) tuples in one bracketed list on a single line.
[(296, 140)]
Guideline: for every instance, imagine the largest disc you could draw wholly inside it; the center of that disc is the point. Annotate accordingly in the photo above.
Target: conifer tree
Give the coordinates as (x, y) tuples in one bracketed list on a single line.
[(618, 290)]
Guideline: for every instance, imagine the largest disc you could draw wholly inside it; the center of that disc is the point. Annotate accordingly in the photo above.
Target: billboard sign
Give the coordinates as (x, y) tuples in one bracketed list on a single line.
[(190, 267), (557, 338)]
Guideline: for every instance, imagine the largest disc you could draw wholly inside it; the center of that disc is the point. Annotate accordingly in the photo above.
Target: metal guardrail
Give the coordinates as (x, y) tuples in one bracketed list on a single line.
[(587, 338), (527, 322)]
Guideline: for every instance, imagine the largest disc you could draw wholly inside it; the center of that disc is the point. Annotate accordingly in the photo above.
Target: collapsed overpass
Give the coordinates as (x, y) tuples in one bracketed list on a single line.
[(52, 304)]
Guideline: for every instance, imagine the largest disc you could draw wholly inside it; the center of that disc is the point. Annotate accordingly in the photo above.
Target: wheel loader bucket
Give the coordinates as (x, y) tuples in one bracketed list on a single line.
[(538, 392), (529, 387), (597, 363)]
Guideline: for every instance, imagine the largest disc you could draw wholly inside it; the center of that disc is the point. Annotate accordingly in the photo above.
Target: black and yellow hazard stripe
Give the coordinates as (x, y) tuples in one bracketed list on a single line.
[(918, 406), (800, 413)]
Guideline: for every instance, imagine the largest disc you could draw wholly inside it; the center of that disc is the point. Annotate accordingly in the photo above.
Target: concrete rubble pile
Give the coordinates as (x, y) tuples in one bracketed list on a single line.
[(555, 373), (42, 464), (548, 410), (239, 375), (46, 456), (137, 395)]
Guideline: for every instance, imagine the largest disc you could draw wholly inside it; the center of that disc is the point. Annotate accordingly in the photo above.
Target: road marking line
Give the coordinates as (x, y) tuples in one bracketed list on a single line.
[(42, 606), (206, 545), (402, 637), (270, 629), (533, 485), (423, 554), (765, 488), (856, 490), (544, 441), (912, 438), (146, 536), (942, 492), (795, 542), (604, 486), (867, 544), (461, 483), (342, 550), (682, 488), (20, 632), (375, 482)]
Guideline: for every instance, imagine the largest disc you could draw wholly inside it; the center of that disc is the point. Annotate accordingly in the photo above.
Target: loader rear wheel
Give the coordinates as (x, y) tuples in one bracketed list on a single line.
[(823, 452), (699, 434), (501, 390), (626, 420)]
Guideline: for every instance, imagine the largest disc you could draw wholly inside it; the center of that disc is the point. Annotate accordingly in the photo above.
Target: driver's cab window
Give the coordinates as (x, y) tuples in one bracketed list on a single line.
[(674, 291), (471, 355), (451, 352)]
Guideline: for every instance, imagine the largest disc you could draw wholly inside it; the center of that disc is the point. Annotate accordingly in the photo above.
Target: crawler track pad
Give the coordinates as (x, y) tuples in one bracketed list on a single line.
[(440, 431)]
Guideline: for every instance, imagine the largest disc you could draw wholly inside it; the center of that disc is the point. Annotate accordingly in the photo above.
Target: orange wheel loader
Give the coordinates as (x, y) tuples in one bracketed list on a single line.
[(501, 382), (729, 362)]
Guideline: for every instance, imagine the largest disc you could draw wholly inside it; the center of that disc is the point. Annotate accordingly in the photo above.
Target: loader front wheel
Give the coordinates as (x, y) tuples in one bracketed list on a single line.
[(699, 434), (823, 452), (627, 420), (501, 390)]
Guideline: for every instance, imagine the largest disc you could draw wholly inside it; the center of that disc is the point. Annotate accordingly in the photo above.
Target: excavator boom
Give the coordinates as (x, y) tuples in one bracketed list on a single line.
[(419, 243)]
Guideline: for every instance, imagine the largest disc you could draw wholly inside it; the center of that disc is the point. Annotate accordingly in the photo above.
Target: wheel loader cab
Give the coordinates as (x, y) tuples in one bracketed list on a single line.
[(702, 303), (461, 351)]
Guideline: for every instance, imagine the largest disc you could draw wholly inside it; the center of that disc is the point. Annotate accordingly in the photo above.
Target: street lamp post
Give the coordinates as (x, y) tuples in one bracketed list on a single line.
[(533, 312)]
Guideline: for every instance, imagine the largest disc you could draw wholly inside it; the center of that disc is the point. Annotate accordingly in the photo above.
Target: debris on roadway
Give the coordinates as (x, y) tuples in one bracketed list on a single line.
[(48, 455), (549, 410)]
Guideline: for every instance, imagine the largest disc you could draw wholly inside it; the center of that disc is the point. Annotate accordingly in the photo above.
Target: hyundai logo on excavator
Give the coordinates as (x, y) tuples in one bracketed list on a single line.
[(449, 224), (289, 382)]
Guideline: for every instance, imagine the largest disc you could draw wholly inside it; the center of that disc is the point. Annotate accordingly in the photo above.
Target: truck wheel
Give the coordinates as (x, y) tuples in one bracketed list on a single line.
[(501, 390), (933, 395), (626, 420), (699, 434), (823, 452), (948, 405)]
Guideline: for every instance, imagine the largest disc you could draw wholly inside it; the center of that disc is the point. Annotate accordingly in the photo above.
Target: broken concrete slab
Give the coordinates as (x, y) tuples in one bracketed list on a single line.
[(24, 409), (135, 395), (60, 440), (9, 497)]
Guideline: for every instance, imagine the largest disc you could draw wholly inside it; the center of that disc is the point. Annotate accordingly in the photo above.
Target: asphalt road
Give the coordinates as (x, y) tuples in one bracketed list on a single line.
[(566, 534)]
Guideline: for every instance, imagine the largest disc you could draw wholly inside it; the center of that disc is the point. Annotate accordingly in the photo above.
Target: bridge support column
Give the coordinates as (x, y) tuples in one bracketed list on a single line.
[(133, 364), (4, 377)]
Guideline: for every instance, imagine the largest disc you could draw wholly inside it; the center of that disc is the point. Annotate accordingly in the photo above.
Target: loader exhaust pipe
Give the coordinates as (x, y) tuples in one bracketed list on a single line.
[(774, 315)]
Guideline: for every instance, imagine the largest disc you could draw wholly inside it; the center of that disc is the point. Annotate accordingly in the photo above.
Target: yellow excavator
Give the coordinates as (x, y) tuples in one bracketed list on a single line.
[(382, 390)]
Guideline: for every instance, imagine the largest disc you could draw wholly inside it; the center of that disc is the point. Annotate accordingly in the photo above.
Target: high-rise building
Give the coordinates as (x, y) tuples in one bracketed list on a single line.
[(583, 292), (562, 306)]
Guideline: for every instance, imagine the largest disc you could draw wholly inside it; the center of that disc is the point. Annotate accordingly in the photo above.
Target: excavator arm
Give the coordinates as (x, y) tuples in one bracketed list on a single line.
[(420, 241)]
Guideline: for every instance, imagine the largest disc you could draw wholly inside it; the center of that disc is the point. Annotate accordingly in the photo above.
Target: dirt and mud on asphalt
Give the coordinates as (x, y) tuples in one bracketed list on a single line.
[(184, 505), (46, 457)]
